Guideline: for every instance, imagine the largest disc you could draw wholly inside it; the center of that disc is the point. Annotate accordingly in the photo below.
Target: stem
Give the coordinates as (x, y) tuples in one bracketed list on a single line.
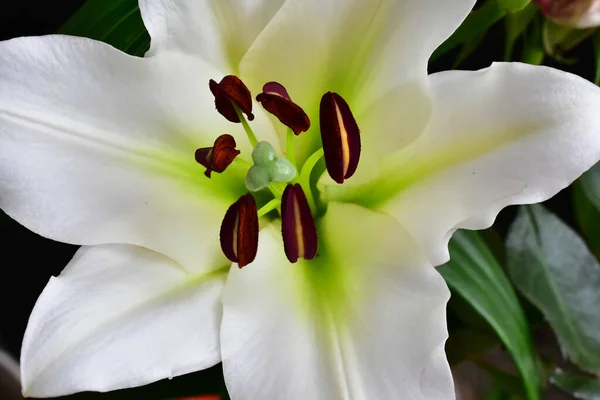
[(304, 178), (270, 206), (310, 164), (249, 133), (277, 189), (290, 152)]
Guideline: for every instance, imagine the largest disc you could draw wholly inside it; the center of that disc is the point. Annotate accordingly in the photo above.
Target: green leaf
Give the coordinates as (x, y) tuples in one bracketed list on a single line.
[(475, 24), (478, 22), (581, 387), (474, 274), (116, 22), (468, 48), (587, 206), (496, 394), (516, 24), (533, 46), (513, 6), (553, 268)]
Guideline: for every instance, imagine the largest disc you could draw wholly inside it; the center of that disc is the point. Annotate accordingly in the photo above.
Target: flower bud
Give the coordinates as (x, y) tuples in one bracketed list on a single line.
[(572, 13)]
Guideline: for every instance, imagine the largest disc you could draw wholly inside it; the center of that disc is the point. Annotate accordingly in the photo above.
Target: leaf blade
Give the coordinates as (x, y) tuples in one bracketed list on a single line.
[(475, 275), (118, 23), (581, 387), (552, 267), (586, 196)]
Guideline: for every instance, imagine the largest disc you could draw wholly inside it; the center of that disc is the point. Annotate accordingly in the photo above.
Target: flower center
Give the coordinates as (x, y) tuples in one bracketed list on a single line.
[(291, 193)]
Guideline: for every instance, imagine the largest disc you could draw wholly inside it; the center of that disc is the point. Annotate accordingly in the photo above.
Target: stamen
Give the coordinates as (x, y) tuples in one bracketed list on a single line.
[(297, 225), (290, 149), (276, 100), (249, 133), (305, 174), (340, 136), (267, 208), (239, 231), (230, 93), (218, 157)]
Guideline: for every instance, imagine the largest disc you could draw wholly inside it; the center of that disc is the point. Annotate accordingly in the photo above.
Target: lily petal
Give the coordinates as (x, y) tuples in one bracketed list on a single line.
[(365, 319), (509, 134), (218, 31), (373, 53), (98, 147), (120, 316)]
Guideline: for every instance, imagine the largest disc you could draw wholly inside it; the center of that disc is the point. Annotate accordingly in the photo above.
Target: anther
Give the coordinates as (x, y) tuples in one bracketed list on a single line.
[(218, 157), (229, 92), (297, 225), (340, 136), (276, 100), (239, 231)]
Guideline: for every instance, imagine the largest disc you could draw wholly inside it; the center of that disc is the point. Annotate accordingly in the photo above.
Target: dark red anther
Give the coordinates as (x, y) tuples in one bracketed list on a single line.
[(231, 90), (218, 157), (239, 231), (340, 136), (297, 225), (276, 100)]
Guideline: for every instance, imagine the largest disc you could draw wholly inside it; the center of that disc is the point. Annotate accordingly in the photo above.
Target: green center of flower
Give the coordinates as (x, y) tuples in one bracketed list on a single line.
[(290, 191)]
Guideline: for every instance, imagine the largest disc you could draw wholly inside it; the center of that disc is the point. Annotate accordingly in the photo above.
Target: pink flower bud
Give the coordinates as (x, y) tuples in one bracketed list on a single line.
[(572, 13)]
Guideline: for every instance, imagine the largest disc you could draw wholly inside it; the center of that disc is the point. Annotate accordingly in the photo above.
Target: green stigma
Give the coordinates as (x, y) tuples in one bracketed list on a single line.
[(267, 168)]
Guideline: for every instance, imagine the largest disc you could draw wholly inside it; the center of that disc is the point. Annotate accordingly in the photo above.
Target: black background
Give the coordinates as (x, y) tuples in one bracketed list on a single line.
[(28, 260)]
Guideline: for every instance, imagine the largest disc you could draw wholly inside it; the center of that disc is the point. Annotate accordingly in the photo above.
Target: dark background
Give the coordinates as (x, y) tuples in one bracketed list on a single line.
[(27, 260)]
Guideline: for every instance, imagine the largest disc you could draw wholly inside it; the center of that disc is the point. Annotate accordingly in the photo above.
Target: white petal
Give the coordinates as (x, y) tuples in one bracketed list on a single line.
[(219, 31), (373, 53), (364, 320), (509, 134), (120, 316), (98, 147)]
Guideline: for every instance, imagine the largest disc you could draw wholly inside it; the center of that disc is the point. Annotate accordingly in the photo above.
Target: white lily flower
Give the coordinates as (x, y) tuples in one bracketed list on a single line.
[(97, 149)]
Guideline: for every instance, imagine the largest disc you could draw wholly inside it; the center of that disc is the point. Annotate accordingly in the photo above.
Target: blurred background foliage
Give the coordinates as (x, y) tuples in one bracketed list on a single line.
[(524, 318)]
